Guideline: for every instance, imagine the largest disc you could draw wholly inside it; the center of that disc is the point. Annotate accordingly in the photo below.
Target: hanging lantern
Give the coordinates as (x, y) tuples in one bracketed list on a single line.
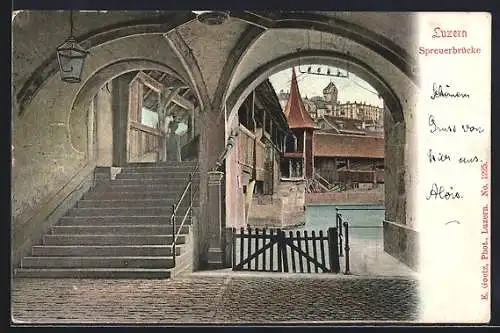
[(71, 57), (212, 17)]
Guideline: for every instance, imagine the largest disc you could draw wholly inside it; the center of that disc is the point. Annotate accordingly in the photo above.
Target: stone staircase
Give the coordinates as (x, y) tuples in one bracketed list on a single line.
[(120, 228)]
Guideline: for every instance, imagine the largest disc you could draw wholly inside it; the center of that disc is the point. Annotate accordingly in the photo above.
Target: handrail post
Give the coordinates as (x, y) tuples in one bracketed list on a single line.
[(347, 248), (337, 218), (339, 228), (173, 233)]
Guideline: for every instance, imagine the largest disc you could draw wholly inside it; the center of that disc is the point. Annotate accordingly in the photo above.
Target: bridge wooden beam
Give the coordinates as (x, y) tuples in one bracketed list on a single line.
[(183, 102), (169, 97)]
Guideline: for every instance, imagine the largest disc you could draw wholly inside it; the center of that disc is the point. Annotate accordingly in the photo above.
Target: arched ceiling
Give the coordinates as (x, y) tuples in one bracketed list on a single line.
[(219, 58)]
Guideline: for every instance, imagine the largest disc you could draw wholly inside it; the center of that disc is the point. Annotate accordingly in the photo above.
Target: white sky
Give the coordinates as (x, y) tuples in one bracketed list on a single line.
[(350, 89)]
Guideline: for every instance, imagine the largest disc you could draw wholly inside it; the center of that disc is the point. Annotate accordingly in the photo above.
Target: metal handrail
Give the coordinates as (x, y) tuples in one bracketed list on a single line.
[(181, 199), (176, 233), (188, 213), (182, 224), (188, 185), (231, 141)]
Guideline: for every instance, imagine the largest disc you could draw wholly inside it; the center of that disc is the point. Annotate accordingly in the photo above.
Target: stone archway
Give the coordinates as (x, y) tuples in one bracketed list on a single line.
[(96, 38), (78, 113), (336, 59), (397, 182)]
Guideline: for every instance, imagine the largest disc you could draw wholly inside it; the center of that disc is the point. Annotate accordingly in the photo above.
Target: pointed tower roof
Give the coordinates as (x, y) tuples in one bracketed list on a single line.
[(295, 112), (330, 87)]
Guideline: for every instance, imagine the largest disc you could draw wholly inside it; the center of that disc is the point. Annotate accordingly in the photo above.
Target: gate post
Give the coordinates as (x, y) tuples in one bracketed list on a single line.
[(347, 248), (215, 254), (228, 238), (284, 253), (333, 250), (280, 250)]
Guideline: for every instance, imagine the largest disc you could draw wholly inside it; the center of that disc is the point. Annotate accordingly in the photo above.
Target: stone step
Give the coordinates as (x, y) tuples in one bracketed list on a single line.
[(125, 211), (171, 196), (110, 251), (115, 187), (97, 262), (110, 239), (93, 273), (118, 220), (137, 203), (118, 229), (163, 176), (169, 164), (177, 182), (153, 169)]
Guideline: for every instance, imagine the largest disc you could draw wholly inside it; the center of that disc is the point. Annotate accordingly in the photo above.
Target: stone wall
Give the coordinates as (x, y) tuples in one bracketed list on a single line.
[(400, 239), (346, 197), (266, 213), (394, 174), (28, 232), (51, 137), (402, 243), (284, 209), (104, 125), (293, 196)]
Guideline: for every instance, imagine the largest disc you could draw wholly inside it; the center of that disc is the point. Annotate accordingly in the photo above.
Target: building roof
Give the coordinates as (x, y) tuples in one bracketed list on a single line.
[(295, 111), (344, 124), (267, 95), (342, 145), (331, 86)]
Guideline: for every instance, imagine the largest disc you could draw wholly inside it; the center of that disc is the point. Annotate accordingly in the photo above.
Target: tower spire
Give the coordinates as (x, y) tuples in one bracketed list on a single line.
[(295, 111)]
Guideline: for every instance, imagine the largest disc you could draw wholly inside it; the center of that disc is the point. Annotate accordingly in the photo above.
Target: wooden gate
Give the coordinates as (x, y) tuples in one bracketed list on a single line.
[(276, 250)]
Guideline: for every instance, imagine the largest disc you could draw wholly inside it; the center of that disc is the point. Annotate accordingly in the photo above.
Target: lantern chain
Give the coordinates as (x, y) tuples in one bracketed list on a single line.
[(71, 23)]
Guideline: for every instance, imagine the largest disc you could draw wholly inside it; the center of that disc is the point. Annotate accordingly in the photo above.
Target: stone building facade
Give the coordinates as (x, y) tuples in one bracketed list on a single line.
[(329, 105)]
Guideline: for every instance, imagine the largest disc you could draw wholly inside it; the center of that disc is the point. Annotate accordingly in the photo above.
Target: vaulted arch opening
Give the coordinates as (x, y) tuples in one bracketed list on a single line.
[(397, 111), (127, 107)]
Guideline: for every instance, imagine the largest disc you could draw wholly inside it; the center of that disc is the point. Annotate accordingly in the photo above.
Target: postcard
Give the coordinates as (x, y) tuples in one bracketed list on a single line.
[(250, 167)]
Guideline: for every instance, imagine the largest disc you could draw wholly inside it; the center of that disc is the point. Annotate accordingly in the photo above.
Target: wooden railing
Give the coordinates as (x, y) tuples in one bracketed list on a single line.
[(360, 176), (260, 156), (144, 143), (252, 152), (246, 147)]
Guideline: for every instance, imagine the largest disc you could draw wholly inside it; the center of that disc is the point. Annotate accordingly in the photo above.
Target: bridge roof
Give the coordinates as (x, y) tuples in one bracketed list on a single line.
[(343, 145)]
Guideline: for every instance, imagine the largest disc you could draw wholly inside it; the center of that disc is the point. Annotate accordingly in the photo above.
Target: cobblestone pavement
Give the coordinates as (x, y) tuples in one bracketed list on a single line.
[(199, 299)]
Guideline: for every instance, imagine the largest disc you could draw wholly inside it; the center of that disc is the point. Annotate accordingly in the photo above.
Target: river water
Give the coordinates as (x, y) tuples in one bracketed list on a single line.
[(365, 221)]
